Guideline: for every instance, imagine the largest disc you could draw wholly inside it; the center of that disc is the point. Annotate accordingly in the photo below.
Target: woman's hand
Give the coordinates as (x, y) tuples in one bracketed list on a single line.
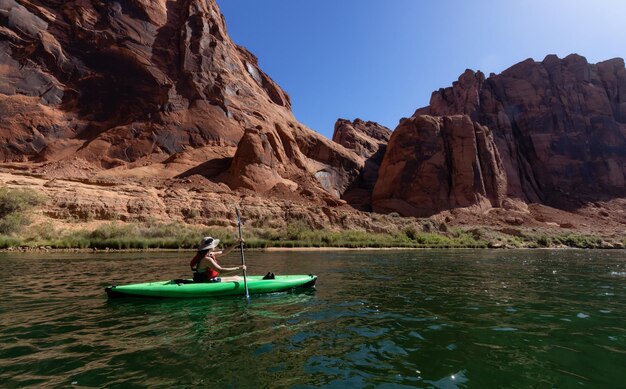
[(242, 267)]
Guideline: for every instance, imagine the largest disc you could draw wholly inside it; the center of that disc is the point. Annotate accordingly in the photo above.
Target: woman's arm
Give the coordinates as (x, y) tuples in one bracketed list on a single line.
[(216, 266), (233, 247)]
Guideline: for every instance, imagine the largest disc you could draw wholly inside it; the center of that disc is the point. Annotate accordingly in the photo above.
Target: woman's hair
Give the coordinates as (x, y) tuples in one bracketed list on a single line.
[(197, 258)]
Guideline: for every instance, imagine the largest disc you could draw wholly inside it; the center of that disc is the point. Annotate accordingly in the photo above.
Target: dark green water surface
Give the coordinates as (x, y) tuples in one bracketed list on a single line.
[(441, 319)]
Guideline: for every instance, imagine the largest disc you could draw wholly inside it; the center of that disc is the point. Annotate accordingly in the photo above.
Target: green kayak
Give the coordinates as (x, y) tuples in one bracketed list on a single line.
[(190, 289)]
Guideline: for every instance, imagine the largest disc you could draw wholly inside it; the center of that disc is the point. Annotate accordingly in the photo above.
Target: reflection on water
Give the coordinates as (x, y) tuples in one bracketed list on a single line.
[(442, 319)]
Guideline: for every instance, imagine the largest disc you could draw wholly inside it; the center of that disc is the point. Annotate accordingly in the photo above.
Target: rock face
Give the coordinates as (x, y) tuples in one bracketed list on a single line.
[(559, 126), (123, 80), (152, 88), (438, 163), (369, 140), (296, 158)]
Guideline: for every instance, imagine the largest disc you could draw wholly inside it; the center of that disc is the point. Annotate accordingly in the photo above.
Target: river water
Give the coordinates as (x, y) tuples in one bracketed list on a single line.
[(441, 319)]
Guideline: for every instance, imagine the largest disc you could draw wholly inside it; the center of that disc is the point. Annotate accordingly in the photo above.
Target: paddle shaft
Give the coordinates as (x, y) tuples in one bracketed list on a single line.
[(243, 259)]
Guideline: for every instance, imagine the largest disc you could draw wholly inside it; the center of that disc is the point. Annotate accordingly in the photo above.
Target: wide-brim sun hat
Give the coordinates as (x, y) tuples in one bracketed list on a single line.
[(208, 243)]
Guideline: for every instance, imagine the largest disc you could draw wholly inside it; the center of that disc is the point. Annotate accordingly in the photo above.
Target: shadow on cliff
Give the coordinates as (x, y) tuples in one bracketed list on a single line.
[(210, 169), (359, 193)]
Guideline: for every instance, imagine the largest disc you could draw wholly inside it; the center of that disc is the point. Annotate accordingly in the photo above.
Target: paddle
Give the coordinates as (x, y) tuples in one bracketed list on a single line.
[(243, 260)]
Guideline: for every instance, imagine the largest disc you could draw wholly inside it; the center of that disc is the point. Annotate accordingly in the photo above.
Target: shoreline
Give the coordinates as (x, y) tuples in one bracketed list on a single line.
[(287, 249), (267, 249)]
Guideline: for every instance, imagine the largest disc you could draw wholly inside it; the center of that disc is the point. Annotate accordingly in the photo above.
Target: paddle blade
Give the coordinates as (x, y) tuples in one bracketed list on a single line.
[(238, 217)]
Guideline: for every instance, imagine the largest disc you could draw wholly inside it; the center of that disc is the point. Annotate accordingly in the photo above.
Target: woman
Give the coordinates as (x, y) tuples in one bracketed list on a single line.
[(205, 266)]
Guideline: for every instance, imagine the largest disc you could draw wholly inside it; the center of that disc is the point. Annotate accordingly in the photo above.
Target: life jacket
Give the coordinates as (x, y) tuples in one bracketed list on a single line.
[(210, 273)]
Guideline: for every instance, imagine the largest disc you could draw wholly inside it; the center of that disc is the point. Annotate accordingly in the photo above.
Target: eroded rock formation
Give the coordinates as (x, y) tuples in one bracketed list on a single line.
[(369, 140), (296, 158), (438, 163)]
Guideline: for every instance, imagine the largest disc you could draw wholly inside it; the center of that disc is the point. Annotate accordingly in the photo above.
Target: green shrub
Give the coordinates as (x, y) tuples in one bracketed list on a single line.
[(544, 241), (410, 232), (13, 222), (580, 241), (6, 242), (18, 200), (296, 230), (15, 207)]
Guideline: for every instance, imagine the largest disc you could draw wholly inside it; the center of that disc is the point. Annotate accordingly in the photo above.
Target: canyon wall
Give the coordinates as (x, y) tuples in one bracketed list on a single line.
[(554, 132), (149, 90), (559, 125), (156, 92)]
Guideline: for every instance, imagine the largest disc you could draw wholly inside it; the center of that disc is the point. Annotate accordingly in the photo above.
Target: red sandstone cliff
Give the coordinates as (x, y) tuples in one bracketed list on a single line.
[(156, 90), (151, 89), (439, 163), (559, 125), (553, 132), (113, 82)]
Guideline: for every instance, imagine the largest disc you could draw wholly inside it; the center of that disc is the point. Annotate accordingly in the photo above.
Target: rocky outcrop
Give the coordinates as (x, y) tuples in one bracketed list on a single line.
[(257, 161), (364, 138), (438, 163), (368, 140), (295, 158), (559, 125)]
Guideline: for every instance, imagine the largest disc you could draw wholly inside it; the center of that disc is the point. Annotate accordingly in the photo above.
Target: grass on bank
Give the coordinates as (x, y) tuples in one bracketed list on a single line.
[(123, 236)]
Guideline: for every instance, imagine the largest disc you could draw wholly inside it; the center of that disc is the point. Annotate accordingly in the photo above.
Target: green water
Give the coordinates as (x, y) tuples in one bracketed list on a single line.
[(442, 319)]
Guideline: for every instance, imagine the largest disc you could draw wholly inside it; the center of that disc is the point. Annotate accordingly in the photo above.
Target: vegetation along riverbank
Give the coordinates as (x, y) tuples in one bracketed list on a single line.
[(23, 228)]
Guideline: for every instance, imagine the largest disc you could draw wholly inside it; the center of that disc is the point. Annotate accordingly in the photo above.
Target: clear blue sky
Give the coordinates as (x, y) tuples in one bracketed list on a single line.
[(381, 59)]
